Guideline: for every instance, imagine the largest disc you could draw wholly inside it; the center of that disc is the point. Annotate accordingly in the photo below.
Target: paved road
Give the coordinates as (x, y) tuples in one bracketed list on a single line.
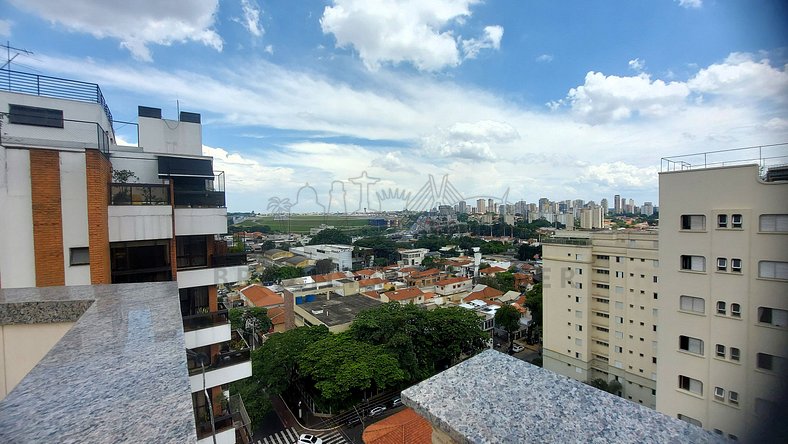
[(290, 436)]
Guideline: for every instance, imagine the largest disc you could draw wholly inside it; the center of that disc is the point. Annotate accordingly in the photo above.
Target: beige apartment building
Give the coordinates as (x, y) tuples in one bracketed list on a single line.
[(723, 311), (600, 309)]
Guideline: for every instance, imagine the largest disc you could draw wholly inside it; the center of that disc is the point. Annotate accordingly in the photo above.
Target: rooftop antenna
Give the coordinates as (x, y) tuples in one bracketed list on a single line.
[(10, 58)]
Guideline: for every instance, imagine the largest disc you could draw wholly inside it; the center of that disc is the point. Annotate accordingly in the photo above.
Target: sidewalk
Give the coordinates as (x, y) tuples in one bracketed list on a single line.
[(285, 415)]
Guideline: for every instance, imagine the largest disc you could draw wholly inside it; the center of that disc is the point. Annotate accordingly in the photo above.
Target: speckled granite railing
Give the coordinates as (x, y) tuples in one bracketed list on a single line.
[(119, 374), (495, 398)]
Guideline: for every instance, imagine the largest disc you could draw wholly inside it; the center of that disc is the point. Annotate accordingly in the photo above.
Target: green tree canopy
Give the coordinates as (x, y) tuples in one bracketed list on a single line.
[(342, 368), (330, 236), (276, 273), (275, 363), (533, 300), (242, 318), (527, 252)]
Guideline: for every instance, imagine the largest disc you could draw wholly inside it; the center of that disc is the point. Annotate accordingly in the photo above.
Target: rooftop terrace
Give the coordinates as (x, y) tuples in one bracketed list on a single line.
[(338, 309)]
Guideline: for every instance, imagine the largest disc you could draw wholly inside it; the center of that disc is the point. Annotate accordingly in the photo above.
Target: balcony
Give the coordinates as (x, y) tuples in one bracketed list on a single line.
[(139, 194), (209, 193), (223, 269), (206, 329), (600, 306), (199, 221), (226, 366), (20, 129), (235, 419)]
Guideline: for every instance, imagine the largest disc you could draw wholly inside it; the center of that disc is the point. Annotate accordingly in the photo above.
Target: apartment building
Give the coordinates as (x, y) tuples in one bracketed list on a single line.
[(723, 312), (341, 255), (79, 209), (600, 309)]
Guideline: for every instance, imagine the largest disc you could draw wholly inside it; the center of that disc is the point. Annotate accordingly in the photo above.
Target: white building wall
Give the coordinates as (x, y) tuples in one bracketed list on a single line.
[(74, 214), (196, 221), (139, 222), (170, 136), (17, 257)]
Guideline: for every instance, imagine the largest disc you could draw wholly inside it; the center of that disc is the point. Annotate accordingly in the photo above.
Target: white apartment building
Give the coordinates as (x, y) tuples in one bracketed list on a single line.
[(592, 218), (412, 257), (723, 311), (340, 255), (600, 317), (78, 209)]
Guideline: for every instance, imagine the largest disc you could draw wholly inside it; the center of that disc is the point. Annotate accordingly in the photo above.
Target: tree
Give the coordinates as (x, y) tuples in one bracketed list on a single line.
[(251, 321), (527, 252), (508, 318), (343, 369), (123, 176), (428, 261), (533, 300), (323, 266), (275, 273), (268, 245), (330, 236), (611, 387)]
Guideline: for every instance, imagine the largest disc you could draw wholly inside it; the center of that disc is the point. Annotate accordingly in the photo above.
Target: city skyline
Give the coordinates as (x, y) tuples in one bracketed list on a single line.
[(542, 99)]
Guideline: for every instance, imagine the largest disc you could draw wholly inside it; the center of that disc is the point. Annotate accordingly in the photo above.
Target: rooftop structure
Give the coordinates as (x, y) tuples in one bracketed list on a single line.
[(332, 310), (119, 364), (520, 402)]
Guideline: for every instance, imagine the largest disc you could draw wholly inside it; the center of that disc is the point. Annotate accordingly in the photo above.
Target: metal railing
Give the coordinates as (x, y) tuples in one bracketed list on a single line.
[(70, 134), (205, 320), (139, 194), (221, 360), (566, 241), (762, 155), (56, 87), (211, 196), (228, 260), (241, 417)]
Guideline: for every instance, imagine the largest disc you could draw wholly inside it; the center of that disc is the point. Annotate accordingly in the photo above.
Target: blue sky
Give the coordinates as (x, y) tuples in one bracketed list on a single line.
[(562, 100)]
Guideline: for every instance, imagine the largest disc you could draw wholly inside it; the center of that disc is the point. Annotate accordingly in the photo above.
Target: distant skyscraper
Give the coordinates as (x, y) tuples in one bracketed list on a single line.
[(490, 205), (604, 206), (647, 209), (617, 204), (481, 206), (462, 207), (544, 205)]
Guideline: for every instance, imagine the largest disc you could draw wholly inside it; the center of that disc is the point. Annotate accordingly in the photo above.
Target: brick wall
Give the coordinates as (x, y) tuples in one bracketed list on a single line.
[(47, 217), (99, 175)]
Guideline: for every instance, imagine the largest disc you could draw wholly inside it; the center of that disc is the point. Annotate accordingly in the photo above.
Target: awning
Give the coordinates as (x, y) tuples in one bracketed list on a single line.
[(185, 167)]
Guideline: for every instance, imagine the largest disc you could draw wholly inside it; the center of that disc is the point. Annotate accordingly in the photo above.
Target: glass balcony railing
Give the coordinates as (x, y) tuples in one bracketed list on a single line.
[(205, 320), (228, 260), (139, 194)]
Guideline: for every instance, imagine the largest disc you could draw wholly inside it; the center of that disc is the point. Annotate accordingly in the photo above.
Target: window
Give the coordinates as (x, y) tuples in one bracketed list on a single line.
[(773, 316), (692, 345), (619, 335), (578, 355), (619, 349), (765, 361), (579, 327), (735, 354), (619, 320), (619, 274), (655, 279), (693, 222), (720, 350), (722, 221), (719, 393), (736, 265), (692, 421), (619, 289), (619, 305), (736, 221), (773, 270), (79, 256), (578, 342), (693, 263), (578, 314), (722, 264), (690, 384), (31, 115), (774, 223), (736, 310), (721, 308), (733, 397), (693, 304)]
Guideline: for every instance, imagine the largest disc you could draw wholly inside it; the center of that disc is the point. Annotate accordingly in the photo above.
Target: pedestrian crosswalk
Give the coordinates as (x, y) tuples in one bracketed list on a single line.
[(290, 436)]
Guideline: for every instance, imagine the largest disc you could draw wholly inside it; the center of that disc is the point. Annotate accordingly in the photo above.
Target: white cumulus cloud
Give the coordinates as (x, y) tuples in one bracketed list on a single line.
[(620, 175), (607, 98), (5, 27), (246, 174), (637, 64), (545, 58), (135, 24), (251, 18), (401, 31), (490, 40), (743, 76), (474, 141), (690, 3)]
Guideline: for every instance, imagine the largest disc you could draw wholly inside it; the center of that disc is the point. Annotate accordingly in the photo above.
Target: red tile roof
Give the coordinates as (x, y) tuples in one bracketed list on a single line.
[(329, 276), (425, 273), (277, 315), (490, 270), (260, 296), (486, 293), (372, 294), (404, 294), (452, 280), (365, 272), (368, 282), (405, 427)]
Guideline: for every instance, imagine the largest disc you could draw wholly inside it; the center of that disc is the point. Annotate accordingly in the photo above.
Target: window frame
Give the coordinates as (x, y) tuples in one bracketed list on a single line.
[(688, 341), (734, 223), (724, 310), (719, 351), (74, 252), (35, 116), (780, 221), (722, 264), (722, 221)]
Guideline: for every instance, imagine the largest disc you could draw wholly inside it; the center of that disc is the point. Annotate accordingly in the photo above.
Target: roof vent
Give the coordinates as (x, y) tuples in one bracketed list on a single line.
[(146, 111), (317, 312)]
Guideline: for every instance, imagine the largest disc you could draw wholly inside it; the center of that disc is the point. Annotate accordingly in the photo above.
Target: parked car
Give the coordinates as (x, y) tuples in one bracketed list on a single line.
[(517, 348), (375, 411), (396, 402), (353, 420), (309, 439)]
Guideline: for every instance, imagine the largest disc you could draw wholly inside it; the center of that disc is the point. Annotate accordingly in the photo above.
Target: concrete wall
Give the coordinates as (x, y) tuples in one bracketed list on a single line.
[(17, 270), (74, 198), (194, 221), (139, 222), (170, 136), (22, 346)]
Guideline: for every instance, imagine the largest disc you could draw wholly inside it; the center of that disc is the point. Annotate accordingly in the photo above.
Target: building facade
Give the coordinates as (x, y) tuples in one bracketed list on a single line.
[(79, 209), (600, 316), (723, 309)]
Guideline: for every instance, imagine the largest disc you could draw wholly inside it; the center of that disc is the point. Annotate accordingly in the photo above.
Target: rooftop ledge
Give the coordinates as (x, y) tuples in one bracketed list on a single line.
[(494, 397), (119, 374)]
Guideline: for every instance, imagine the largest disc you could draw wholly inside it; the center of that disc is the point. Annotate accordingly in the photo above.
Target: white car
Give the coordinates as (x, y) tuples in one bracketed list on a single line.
[(517, 348), (377, 410), (309, 439)]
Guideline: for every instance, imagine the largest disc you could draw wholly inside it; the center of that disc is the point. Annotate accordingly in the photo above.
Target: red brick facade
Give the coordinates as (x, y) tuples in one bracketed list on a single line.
[(47, 217), (99, 175)]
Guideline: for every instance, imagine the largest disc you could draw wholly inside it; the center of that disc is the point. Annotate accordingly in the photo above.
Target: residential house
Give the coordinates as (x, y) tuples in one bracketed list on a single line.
[(258, 296), (491, 271), (426, 278), (411, 295)]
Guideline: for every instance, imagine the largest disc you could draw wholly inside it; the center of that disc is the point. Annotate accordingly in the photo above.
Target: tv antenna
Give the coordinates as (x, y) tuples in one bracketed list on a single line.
[(10, 58)]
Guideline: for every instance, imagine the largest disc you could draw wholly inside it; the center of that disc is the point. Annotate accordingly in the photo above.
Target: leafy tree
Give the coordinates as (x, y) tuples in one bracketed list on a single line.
[(250, 320), (494, 247), (256, 400), (382, 247), (508, 318), (462, 217), (611, 387), (527, 252), (533, 300), (275, 363), (268, 245), (276, 273), (343, 368), (330, 236), (428, 261), (323, 266), (123, 176)]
